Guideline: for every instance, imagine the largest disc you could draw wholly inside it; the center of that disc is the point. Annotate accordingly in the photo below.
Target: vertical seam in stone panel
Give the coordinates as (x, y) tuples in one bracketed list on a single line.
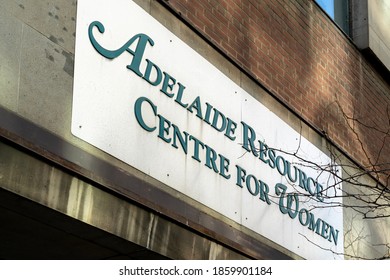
[(19, 67), (150, 231)]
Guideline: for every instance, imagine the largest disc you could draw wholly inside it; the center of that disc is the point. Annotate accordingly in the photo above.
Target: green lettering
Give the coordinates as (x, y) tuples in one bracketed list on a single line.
[(230, 129), (211, 158), (334, 234), (241, 173), (219, 116), (138, 53), (224, 166), (264, 190), (150, 65), (324, 229), (183, 140), (138, 112), (279, 168), (197, 143), (313, 224), (248, 139), (179, 95), (163, 130), (249, 185), (197, 106), (168, 83), (208, 113)]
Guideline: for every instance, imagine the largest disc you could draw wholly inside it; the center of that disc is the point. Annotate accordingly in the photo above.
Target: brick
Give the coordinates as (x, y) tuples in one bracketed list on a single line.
[(296, 51)]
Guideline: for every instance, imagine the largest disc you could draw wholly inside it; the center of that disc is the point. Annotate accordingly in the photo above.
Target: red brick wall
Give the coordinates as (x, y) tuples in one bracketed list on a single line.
[(298, 54)]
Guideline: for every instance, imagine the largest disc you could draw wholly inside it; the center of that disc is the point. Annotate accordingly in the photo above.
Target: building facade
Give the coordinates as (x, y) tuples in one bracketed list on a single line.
[(175, 129)]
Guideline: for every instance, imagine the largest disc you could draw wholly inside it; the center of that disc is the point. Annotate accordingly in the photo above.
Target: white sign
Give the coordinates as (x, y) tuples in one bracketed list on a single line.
[(145, 97)]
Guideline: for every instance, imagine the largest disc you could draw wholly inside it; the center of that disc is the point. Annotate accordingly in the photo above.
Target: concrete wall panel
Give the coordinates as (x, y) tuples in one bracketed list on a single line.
[(11, 33), (53, 19), (46, 79), (379, 30), (50, 186)]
